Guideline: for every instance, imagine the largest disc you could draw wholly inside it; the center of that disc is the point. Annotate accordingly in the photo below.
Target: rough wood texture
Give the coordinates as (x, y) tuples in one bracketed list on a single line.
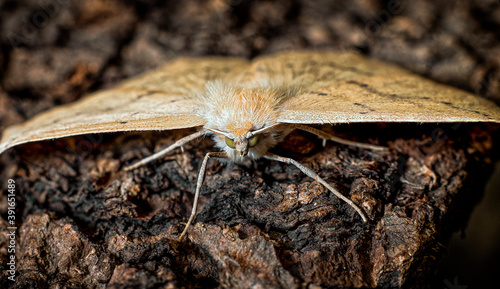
[(84, 222)]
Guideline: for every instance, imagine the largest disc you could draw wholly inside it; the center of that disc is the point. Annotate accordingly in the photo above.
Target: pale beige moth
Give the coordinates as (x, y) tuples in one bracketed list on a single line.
[(248, 107)]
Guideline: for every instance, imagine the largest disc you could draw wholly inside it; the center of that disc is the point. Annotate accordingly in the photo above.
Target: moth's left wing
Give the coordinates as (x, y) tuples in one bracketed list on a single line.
[(161, 99), (347, 87)]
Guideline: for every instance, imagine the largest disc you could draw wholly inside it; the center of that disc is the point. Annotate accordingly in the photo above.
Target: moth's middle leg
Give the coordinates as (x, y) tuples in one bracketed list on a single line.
[(326, 136)]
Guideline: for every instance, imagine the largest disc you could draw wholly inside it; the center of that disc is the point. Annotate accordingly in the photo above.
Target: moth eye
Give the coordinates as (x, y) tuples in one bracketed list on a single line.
[(253, 141), (230, 142)]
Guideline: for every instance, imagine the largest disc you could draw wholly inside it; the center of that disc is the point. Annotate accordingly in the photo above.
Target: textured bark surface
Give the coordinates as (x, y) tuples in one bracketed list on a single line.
[(84, 222)]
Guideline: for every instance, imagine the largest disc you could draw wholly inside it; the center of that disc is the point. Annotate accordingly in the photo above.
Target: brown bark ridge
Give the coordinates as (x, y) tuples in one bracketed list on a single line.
[(84, 222)]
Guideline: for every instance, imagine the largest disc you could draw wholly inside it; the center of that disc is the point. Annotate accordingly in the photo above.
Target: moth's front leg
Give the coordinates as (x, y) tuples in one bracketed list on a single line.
[(199, 183)]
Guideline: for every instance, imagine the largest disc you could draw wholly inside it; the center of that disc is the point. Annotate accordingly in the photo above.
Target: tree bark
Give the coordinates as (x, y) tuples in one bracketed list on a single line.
[(85, 222)]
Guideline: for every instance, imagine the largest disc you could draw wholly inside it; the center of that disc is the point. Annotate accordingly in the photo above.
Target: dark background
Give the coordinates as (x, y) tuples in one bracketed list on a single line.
[(472, 253), (53, 52)]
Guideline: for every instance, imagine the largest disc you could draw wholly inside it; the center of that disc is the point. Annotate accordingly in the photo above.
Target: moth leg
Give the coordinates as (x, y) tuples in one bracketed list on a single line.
[(178, 143), (326, 136), (315, 176), (201, 177)]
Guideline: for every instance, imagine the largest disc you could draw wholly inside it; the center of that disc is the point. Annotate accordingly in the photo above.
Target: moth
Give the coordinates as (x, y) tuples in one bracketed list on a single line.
[(248, 107)]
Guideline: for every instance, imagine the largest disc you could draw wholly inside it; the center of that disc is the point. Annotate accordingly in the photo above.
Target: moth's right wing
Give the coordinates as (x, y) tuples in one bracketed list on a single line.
[(161, 99), (329, 87)]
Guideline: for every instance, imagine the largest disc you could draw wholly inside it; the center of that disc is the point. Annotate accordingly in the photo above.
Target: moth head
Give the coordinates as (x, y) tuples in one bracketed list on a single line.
[(241, 139), (242, 145)]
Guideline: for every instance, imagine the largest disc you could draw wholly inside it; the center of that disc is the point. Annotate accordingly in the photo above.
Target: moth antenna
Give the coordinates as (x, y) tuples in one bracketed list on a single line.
[(218, 131), (178, 143), (316, 177), (326, 136), (265, 128), (201, 177)]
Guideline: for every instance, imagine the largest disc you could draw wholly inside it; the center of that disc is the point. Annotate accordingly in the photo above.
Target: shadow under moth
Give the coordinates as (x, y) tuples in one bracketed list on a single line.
[(248, 107)]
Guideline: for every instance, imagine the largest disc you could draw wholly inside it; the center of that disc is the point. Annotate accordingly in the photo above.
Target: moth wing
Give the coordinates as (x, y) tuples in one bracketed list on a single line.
[(347, 87), (162, 99)]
